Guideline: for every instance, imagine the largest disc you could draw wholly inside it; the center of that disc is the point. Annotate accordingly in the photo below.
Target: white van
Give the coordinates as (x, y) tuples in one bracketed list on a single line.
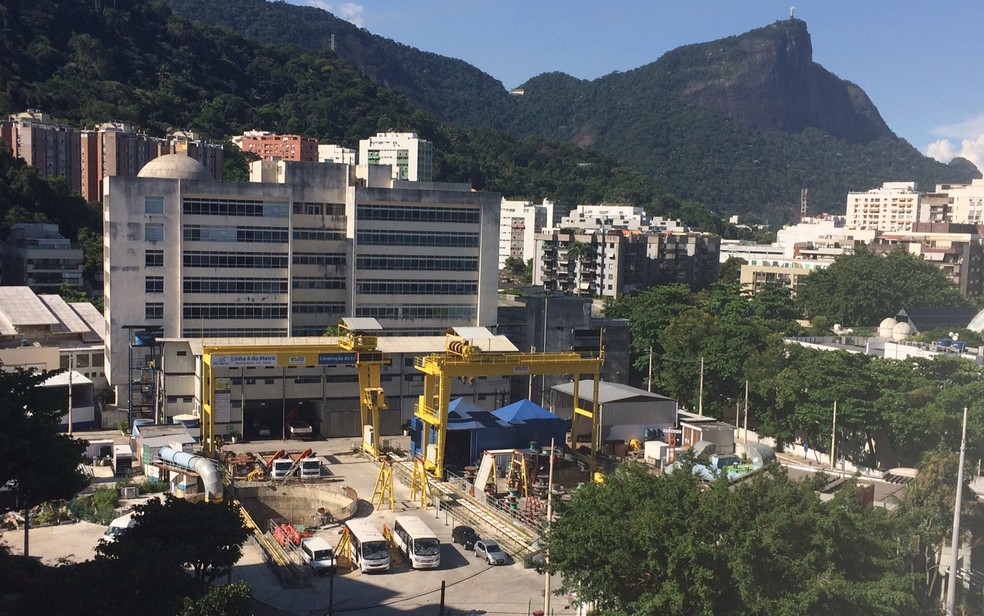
[(318, 554), (118, 526)]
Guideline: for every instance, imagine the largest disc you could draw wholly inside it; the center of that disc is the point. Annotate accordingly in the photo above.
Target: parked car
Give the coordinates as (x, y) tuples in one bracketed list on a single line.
[(490, 551), (465, 535)]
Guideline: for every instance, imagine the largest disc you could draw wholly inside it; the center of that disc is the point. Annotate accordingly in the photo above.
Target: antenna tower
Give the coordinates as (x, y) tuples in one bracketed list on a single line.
[(804, 201)]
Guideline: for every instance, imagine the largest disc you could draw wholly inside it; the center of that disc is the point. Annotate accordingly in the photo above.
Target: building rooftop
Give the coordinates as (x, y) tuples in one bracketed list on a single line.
[(609, 392), (175, 167)]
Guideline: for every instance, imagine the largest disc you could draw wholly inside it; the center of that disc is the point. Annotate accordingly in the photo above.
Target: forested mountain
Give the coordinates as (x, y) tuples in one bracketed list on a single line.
[(740, 124), (91, 61)]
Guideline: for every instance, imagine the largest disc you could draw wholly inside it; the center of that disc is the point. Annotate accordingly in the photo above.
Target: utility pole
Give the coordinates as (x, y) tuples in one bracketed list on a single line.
[(546, 553), (833, 439), (700, 399), (650, 369), (746, 410), (951, 580), (71, 368)]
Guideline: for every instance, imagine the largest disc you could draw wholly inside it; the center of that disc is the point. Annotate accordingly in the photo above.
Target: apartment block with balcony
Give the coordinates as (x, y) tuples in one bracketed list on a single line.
[(519, 222), (37, 256), (273, 146), (46, 144), (956, 249), (895, 206)]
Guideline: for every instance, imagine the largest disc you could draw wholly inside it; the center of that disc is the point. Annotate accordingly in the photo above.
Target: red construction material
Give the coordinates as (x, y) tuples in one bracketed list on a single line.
[(276, 456)]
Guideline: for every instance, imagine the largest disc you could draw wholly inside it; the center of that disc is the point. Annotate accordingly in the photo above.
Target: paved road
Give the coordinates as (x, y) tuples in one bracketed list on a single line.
[(471, 586)]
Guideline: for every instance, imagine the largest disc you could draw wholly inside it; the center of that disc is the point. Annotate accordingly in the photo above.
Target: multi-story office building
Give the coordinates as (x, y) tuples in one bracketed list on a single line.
[(37, 256), (519, 222), (271, 146), (410, 157), (51, 147), (893, 207), (290, 252)]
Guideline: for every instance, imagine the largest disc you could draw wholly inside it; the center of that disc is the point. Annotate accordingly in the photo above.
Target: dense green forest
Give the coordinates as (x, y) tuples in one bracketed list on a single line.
[(643, 117)]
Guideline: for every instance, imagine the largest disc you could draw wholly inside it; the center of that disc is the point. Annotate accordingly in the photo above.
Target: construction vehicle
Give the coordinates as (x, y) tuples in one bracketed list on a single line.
[(464, 360)]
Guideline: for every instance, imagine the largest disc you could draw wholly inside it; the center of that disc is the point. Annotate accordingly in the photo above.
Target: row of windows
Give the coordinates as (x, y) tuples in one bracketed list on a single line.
[(437, 264), (416, 287), (433, 238), (234, 285), (317, 258), (233, 332), (223, 207), (318, 308), (319, 209), (235, 259), (318, 283), (419, 214), (420, 311), (235, 311), (210, 233), (304, 233)]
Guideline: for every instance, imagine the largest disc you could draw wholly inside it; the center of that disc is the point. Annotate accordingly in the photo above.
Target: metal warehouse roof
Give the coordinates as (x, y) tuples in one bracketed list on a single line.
[(609, 392)]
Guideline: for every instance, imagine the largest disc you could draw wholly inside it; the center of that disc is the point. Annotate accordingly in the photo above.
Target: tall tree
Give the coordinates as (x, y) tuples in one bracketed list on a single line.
[(39, 463)]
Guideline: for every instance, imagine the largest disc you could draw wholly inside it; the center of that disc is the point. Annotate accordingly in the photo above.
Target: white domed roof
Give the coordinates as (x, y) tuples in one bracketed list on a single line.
[(889, 322), (903, 327), (175, 167)]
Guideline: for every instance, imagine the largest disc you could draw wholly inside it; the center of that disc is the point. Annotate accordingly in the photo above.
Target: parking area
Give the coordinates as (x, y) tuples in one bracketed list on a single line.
[(470, 584)]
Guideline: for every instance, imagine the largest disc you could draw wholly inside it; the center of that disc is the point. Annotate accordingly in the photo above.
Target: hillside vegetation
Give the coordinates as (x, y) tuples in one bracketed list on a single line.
[(91, 61), (740, 124)]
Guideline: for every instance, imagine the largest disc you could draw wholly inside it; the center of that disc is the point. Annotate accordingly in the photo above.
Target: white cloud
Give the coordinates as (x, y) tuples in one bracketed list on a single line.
[(969, 134), (349, 11), (352, 12)]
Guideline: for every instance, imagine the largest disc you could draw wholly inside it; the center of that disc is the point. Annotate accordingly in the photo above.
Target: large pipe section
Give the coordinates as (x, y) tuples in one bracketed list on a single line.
[(198, 464)]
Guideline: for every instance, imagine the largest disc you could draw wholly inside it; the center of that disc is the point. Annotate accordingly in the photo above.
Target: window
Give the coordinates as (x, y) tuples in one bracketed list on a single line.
[(154, 205), (154, 232), (154, 310), (154, 258), (154, 284)]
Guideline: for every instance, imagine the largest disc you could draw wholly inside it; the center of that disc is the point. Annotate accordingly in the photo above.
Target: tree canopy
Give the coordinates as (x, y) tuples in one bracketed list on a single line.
[(645, 544), (865, 287)]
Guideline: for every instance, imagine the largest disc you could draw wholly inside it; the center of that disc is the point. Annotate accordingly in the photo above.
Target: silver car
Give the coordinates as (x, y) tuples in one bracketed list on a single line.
[(490, 551)]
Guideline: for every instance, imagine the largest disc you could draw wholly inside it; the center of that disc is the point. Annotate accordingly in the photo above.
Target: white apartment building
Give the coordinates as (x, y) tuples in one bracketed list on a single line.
[(291, 252), (519, 222), (607, 216), (965, 201), (331, 153), (893, 207), (410, 157)]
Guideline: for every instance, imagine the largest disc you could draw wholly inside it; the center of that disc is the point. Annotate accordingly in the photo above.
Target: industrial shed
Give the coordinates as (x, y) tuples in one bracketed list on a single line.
[(625, 412)]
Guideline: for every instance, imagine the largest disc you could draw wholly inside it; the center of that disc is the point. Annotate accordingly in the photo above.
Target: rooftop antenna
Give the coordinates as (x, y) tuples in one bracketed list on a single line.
[(791, 10), (804, 202)]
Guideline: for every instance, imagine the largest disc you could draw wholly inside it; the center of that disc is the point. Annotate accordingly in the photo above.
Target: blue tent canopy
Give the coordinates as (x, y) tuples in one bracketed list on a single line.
[(523, 411)]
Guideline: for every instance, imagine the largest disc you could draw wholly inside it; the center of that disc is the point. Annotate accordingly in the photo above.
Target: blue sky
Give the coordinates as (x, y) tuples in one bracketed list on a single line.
[(920, 62)]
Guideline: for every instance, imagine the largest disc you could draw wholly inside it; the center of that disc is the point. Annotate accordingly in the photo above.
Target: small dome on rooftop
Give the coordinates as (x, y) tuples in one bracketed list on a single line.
[(174, 167)]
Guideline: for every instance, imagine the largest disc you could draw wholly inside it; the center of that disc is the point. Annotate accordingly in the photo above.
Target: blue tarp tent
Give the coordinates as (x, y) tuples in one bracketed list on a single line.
[(533, 423), (471, 430)]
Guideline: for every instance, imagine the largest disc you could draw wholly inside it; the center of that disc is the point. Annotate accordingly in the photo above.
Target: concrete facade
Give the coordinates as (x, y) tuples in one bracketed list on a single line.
[(892, 207), (291, 252), (37, 256), (519, 222)]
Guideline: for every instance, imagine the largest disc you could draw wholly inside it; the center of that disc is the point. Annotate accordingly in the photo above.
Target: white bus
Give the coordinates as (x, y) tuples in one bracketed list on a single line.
[(418, 542), (370, 551)]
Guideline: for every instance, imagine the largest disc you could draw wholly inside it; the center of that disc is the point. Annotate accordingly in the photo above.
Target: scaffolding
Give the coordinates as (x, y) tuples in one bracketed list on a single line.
[(143, 362)]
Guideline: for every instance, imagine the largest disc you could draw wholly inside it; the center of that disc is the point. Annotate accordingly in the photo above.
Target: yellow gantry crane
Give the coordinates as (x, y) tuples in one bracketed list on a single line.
[(351, 348), (464, 360)]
